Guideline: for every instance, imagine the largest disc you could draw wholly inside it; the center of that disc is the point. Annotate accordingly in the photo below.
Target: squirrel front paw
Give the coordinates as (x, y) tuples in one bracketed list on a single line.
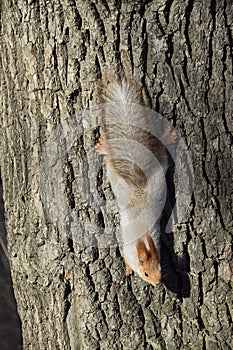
[(128, 270), (102, 148)]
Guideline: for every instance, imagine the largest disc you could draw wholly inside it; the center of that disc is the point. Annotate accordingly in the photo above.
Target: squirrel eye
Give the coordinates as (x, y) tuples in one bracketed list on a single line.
[(146, 274)]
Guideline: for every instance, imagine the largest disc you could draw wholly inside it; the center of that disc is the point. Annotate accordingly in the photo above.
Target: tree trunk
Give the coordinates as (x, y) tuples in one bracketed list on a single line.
[(69, 284)]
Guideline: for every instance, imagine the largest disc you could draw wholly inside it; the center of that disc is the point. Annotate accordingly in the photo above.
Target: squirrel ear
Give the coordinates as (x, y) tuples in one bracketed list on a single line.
[(153, 250), (143, 254)]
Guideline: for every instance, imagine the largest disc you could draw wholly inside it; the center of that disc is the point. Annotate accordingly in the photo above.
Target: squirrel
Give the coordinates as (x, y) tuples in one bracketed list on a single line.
[(136, 165)]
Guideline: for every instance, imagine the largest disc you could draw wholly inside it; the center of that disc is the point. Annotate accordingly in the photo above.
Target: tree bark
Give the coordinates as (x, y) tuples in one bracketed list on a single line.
[(73, 294)]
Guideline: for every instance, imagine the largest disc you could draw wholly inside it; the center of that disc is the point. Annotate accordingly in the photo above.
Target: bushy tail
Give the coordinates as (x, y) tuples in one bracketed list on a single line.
[(128, 128)]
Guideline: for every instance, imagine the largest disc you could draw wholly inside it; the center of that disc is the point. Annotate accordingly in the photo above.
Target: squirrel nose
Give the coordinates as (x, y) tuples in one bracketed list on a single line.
[(156, 283)]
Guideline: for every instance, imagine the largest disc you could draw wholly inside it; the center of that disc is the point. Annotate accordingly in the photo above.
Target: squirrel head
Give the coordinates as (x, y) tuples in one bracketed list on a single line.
[(149, 268)]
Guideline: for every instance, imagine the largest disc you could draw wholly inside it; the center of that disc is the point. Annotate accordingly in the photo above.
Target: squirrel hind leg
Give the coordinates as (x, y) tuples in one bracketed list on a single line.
[(102, 148), (168, 136)]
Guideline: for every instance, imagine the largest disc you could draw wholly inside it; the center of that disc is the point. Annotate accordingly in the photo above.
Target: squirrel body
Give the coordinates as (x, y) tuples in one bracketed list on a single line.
[(136, 166)]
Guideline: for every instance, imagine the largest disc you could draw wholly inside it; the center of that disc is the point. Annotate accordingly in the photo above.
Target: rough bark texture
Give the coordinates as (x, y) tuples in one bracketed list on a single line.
[(52, 53)]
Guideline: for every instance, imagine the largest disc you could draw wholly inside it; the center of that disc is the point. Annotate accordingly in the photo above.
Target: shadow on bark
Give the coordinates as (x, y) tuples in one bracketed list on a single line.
[(10, 325), (175, 268)]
